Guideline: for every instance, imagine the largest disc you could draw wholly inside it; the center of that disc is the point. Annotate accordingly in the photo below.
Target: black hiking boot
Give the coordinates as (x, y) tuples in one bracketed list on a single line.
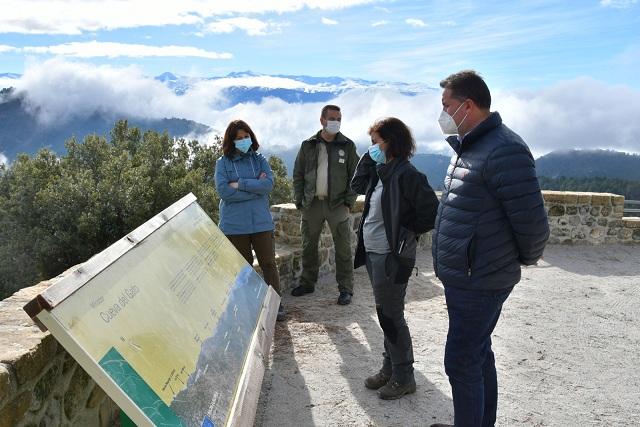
[(344, 298), (301, 290)]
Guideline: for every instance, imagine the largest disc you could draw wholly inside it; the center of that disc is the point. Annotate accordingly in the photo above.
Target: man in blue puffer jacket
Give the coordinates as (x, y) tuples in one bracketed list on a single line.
[(491, 220)]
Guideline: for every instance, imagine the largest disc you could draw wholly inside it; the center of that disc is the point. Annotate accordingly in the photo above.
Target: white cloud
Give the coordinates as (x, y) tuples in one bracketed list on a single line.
[(379, 23), (579, 113), (327, 21), (94, 49), (418, 23), (74, 17), (3, 159), (270, 82), (7, 82), (253, 27), (6, 48), (618, 4)]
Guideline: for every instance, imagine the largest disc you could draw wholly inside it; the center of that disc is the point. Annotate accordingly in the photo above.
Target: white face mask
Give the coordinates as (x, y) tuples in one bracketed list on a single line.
[(447, 124), (332, 127)]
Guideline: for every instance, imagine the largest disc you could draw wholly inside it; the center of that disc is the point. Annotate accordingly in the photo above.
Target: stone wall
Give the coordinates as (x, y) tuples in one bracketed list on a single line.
[(41, 385), (574, 218), (589, 218)]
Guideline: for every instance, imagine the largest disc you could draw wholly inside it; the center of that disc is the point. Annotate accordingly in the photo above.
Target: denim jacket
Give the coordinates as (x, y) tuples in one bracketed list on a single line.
[(244, 210)]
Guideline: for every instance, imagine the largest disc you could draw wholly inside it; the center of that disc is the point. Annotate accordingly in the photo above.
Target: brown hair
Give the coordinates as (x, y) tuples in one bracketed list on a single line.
[(228, 142), (398, 135)]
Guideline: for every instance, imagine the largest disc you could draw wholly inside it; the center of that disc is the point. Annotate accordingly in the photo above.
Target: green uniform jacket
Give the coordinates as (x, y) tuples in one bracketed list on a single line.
[(343, 160)]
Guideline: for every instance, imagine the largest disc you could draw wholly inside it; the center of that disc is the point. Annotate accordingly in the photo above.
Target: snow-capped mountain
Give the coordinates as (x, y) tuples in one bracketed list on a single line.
[(48, 105), (247, 86)]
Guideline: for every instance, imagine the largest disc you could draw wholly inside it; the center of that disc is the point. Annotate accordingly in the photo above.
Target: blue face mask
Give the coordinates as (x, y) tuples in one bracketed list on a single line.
[(377, 154), (243, 145)]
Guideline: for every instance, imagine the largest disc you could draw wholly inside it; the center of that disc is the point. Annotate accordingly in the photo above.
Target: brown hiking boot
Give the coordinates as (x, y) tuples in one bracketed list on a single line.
[(376, 381), (394, 390)]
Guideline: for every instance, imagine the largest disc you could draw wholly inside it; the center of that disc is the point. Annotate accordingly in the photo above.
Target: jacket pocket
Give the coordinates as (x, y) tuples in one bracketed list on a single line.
[(399, 264), (407, 244), (470, 254)]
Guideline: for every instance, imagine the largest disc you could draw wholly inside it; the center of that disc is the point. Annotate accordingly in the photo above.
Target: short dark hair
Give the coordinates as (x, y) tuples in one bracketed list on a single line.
[(327, 108), (398, 135), (468, 84), (228, 142)]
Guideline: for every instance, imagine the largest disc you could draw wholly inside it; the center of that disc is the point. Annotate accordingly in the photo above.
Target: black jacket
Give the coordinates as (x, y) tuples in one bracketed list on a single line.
[(491, 217), (409, 208)]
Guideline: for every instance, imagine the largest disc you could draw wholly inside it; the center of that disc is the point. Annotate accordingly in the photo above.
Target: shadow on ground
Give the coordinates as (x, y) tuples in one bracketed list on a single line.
[(323, 352)]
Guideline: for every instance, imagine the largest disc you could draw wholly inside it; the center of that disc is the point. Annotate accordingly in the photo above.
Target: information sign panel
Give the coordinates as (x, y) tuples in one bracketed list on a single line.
[(166, 321)]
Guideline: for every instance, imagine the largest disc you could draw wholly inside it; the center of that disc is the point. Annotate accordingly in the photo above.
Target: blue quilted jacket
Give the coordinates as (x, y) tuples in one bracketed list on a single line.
[(491, 217), (244, 210)]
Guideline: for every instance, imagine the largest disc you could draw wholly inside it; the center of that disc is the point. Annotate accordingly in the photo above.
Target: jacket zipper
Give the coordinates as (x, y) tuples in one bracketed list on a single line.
[(441, 201), (329, 150)]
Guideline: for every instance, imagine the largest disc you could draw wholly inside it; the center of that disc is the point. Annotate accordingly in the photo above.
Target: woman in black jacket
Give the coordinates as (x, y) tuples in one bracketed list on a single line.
[(399, 206)]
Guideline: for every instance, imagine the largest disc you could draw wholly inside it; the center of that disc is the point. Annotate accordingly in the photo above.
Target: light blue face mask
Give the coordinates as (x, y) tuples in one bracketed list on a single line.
[(377, 154), (244, 144)]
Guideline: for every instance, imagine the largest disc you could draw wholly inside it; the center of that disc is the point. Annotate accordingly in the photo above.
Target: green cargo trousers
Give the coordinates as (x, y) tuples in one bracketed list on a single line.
[(313, 218)]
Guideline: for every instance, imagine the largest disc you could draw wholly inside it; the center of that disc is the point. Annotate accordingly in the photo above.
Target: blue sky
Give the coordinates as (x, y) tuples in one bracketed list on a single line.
[(515, 45), (563, 74)]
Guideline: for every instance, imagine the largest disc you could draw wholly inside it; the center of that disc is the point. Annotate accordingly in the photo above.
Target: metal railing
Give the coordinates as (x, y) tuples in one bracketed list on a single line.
[(631, 208)]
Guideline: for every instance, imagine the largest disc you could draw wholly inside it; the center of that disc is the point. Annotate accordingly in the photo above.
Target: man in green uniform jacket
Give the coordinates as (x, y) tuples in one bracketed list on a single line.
[(321, 176)]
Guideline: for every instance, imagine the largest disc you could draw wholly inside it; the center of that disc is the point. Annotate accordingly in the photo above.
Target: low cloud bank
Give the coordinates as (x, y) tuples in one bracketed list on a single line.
[(581, 113)]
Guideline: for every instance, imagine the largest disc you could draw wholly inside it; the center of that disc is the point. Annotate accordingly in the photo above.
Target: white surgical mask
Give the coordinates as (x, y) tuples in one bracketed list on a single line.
[(332, 127), (447, 124)]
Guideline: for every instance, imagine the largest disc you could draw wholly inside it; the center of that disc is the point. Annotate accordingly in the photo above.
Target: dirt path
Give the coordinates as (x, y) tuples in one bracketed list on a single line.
[(567, 349)]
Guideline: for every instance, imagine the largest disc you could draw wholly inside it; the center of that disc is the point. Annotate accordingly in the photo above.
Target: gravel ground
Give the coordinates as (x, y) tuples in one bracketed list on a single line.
[(567, 349)]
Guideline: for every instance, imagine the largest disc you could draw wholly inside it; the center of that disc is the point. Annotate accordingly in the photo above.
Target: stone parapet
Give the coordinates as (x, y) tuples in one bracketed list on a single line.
[(588, 218), (40, 383)]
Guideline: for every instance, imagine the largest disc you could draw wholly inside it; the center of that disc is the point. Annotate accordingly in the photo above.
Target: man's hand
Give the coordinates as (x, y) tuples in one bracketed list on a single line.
[(233, 185), (262, 175)]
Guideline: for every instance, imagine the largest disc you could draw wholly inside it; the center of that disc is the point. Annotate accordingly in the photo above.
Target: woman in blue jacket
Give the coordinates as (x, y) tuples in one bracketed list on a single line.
[(244, 181)]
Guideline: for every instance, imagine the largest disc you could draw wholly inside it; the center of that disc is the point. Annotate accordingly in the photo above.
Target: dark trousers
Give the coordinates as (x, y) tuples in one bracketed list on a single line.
[(468, 360), (265, 248), (389, 299)]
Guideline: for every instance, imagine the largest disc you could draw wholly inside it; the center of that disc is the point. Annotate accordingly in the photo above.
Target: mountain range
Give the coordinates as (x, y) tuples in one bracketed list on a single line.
[(22, 131), (589, 163), (573, 163)]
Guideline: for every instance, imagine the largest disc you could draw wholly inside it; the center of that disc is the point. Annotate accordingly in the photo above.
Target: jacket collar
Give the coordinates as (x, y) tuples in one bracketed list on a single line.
[(491, 122), (239, 156), (386, 170), (340, 138)]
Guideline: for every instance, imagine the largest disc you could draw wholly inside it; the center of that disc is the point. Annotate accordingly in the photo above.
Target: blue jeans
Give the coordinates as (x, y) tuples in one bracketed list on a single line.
[(468, 359)]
